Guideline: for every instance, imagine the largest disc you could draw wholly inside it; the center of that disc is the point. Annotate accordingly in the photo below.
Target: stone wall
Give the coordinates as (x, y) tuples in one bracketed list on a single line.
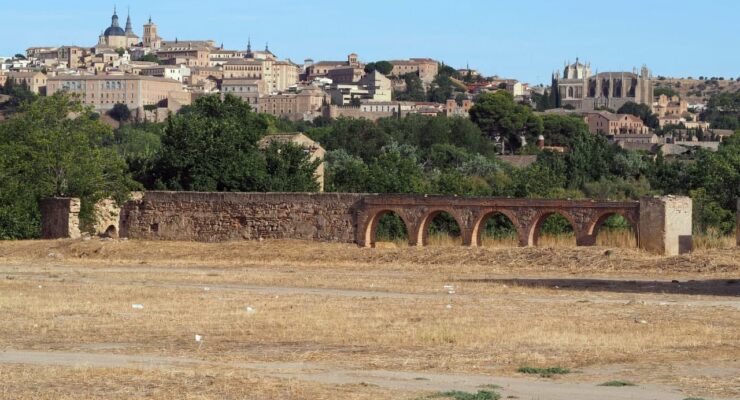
[(665, 225), (216, 217), (61, 218)]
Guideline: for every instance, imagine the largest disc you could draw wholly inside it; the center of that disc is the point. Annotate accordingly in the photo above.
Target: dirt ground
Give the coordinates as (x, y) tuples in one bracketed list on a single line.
[(301, 320)]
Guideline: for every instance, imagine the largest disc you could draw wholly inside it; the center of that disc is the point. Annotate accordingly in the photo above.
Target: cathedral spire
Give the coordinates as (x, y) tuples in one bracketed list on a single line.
[(114, 18), (129, 29)]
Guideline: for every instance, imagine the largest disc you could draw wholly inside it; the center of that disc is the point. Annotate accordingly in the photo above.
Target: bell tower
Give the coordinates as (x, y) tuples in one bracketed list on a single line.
[(151, 38)]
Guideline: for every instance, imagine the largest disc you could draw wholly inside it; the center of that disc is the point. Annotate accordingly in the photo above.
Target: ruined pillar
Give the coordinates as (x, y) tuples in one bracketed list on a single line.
[(665, 225), (60, 218)]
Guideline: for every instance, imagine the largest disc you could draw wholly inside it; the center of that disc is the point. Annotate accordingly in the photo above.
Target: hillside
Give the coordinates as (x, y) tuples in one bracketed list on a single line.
[(698, 91)]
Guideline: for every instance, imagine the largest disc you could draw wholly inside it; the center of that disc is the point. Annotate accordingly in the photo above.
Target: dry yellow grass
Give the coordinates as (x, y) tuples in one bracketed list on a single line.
[(82, 383), (374, 308)]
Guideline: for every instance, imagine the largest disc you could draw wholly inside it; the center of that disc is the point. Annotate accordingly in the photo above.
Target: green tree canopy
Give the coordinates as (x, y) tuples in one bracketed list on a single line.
[(497, 114), (55, 144)]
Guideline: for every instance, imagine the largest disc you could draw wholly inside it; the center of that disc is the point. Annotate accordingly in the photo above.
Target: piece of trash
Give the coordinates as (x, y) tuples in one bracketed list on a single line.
[(640, 321), (40, 286), (206, 289), (449, 306), (198, 338), (250, 310), (448, 287), (662, 303), (137, 306), (450, 292)]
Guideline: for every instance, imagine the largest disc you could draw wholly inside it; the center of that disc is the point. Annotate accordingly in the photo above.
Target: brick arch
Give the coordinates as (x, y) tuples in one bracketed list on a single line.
[(592, 229), (370, 227), (423, 226), (477, 231), (533, 231)]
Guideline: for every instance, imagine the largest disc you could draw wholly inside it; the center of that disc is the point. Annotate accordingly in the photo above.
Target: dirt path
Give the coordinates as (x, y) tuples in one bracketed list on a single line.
[(41, 274), (522, 388)]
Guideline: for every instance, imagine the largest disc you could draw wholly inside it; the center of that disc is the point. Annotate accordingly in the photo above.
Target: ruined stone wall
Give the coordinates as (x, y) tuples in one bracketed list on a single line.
[(216, 217), (665, 225), (61, 218)]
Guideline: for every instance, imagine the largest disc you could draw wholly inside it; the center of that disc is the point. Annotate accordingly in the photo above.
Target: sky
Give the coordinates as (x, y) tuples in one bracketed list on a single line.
[(521, 39)]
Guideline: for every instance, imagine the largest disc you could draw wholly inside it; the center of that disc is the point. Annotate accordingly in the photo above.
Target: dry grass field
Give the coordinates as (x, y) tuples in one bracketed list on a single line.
[(300, 320)]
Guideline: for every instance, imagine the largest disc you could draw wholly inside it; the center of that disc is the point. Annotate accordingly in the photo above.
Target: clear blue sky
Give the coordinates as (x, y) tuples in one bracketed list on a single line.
[(522, 39)]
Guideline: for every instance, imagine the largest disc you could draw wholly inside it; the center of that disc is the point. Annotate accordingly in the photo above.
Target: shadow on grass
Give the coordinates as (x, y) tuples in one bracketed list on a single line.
[(711, 287)]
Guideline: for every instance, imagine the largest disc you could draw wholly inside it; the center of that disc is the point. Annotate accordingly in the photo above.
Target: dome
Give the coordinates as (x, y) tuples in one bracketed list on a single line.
[(114, 31)]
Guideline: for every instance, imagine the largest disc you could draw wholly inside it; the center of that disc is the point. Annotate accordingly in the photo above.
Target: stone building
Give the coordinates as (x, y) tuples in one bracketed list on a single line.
[(426, 68), (350, 71), (151, 37), (192, 54), (674, 106), (104, 91), (276, 75), (116, 37), (305, 104), (313, 148), (35, 80), (608, 123), (577, 87), (248, 90)]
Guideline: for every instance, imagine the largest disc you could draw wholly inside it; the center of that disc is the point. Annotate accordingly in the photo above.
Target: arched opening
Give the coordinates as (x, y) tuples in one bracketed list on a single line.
[(387, 229), (111, 232), (614, 230), (497, 230), (553, 229), (440, 228)]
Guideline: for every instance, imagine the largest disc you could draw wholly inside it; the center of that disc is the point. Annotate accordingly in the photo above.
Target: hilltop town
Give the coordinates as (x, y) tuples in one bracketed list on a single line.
[(153, 76)]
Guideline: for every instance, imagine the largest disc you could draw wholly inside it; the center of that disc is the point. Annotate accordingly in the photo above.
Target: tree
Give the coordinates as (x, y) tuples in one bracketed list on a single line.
[(151, 58), (290, 169), (120, 112), (384, 67), (414, 88), (19, 56), (55, 144), (669, 92), (345, 173), (395, 170), (642, 111), (120, 51), (498, 115), (212, 146)]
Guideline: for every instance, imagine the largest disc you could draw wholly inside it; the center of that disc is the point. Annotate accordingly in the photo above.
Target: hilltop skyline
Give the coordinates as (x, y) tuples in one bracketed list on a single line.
[(525, 41)]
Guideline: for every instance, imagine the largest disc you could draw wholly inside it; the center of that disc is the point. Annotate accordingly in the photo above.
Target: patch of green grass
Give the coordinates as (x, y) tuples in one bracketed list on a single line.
[(458, 395), (544, 372), (617, 383), (490, 386)]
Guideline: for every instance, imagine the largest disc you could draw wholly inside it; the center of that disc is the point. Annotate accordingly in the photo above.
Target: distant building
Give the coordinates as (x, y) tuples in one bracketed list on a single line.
[(579, 88), (313, 148), (452, 109), (104, 91), (426, 68), (36, 81), (115, 37), (614, 124), (351, 70), (151, 37), (305, 104), (248, 90), (670, 106)]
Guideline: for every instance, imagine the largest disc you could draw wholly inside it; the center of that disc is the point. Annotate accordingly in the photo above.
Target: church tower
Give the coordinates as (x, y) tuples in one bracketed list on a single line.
[(151, 38)]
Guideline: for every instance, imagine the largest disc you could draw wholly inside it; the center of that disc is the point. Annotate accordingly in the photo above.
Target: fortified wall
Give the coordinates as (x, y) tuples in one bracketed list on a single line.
[(661, 224)]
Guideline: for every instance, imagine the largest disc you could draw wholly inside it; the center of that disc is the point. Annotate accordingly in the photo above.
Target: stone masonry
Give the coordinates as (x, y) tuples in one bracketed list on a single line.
[(60, 218), (665, 225), (217, 217), (661, 224)]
